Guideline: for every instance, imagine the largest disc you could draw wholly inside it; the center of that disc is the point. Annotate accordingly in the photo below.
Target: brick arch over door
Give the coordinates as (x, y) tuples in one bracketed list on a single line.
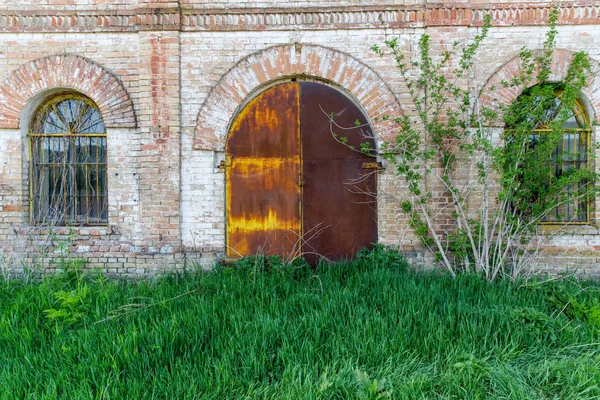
[(66, 71), (281, 61), (559, 67)]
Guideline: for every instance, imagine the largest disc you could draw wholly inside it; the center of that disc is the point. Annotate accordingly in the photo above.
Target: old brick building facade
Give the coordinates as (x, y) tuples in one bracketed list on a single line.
[(169, 77)]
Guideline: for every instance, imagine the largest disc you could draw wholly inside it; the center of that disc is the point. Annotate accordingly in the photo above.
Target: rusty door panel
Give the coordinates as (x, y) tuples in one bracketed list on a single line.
[(338, 195), (318, 102), (268, 125), (341, 212), (262, 194)]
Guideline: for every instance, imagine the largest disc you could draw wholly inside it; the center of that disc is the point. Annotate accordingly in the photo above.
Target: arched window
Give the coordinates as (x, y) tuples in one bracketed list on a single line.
[(555, 173), (67, 144)]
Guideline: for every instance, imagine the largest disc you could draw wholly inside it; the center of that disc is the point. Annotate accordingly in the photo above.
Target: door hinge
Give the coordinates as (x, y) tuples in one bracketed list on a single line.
[(226, 162)]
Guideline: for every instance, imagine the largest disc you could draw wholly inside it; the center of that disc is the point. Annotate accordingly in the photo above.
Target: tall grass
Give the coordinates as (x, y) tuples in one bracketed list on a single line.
[(367, 329)]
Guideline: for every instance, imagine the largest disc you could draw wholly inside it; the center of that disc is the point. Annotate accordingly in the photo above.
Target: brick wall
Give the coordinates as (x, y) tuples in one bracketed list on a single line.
[(169, 77)]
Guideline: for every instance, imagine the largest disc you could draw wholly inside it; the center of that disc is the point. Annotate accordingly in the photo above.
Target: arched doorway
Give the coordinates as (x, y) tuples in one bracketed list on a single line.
[(292, 187)]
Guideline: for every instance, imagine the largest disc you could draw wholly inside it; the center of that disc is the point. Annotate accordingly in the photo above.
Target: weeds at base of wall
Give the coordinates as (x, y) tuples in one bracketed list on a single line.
[(30, 252)]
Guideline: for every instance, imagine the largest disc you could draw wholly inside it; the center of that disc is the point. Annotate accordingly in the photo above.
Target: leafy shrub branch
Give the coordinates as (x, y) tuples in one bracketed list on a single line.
[(476, 195)]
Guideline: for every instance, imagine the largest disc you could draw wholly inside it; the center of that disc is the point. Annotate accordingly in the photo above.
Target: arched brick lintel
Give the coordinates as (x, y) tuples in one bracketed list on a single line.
[(66, 71), (281, 61), (561, 61)]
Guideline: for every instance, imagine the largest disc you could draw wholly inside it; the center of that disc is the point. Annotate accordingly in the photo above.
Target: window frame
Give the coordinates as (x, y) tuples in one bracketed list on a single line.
[(72, 166)]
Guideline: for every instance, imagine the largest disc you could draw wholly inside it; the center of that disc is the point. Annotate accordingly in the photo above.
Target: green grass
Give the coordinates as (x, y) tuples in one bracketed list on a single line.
[(370, 329)]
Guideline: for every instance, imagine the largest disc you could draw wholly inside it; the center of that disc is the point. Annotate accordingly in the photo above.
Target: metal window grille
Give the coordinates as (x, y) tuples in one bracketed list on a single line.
[(571, 153), (68, 179)]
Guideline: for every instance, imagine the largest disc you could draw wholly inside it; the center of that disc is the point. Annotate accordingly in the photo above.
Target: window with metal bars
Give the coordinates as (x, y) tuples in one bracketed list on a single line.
[(565, 132), (68, 180)]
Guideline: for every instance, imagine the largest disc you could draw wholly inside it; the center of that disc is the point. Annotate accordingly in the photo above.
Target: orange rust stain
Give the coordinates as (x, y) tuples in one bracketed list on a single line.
[(266, 201), (282, 242), (267, 174), (269, 222), (263, 200), (256, 113), (267, 126)]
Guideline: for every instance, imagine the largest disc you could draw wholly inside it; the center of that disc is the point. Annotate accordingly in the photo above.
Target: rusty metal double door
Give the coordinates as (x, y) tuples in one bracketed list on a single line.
[(291, 187)]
